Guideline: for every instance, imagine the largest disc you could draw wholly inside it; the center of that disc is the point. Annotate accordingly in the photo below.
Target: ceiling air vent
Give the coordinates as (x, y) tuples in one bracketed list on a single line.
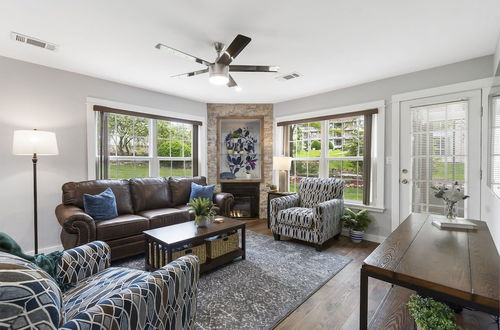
[(32, 41), (289, 76)]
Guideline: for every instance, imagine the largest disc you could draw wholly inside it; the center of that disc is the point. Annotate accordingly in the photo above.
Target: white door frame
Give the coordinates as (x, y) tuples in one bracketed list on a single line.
[(473, 168), (397, 99)]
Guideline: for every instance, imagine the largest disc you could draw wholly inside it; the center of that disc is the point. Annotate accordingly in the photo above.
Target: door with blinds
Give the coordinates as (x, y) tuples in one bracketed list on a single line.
[(440, 145)]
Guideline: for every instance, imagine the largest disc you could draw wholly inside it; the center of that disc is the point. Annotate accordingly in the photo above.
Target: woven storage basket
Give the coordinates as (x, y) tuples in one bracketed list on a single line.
[(222, 245), (198, 250)]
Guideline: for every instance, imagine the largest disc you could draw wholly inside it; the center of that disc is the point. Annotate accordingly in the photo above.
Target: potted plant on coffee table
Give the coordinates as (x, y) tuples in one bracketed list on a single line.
[(430, 314), (203, 210), (357, 222)]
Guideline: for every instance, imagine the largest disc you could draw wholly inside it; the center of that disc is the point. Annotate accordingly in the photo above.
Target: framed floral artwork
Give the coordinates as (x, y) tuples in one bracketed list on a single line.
[(240, 145)]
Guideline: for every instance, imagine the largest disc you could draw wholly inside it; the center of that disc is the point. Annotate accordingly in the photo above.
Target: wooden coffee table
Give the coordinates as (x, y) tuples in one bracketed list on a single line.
[(168, 238)]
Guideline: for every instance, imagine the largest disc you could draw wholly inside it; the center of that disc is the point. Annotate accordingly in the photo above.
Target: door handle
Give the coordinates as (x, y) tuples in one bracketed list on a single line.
[(404, 181)]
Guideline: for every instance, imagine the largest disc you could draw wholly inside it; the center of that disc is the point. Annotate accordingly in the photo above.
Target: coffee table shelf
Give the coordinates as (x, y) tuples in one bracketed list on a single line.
[(160, 242)]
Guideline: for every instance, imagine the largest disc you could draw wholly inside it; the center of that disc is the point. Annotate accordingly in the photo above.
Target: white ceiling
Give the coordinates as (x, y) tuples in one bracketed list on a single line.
[(332, 43)]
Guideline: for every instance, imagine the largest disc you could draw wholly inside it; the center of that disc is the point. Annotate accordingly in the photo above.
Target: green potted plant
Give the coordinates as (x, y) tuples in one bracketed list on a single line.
[(357, 222), (430, 314), (203, 210)]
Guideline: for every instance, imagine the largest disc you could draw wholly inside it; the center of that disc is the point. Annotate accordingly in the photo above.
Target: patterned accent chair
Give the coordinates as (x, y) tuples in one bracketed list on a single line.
[(100, 297), (312, 215)]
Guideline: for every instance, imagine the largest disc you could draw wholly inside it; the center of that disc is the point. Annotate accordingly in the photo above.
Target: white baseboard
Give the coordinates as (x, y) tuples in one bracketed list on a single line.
[(368, 237), (47, 249)]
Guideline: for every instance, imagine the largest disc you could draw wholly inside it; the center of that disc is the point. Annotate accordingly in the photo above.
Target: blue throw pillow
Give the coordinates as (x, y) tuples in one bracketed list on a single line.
[(102, 206), (198, 191)]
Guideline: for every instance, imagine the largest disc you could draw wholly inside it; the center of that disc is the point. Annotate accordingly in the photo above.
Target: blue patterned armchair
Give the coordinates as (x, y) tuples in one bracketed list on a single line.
[(101, 297), (312, 215)]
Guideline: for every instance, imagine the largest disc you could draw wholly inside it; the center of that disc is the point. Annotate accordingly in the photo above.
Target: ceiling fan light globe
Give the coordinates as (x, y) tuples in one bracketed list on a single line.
[(218, 79), (218, 74)]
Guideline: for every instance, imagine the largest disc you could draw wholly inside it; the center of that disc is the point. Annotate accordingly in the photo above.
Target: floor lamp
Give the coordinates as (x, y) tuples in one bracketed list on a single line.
[(282, 164), (34, 143)]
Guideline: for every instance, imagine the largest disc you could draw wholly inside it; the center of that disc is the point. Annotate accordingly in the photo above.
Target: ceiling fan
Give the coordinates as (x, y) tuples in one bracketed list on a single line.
[(219, 71)]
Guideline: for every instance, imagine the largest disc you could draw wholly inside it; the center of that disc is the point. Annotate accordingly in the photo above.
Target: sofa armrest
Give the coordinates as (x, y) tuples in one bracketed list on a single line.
[(327, 216), (77, 226), (281, 203), (168, 293), (81, 262), (223, 201)]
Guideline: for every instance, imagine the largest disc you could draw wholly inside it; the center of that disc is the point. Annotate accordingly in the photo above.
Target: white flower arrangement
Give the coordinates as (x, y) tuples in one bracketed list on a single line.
[(451, 196)]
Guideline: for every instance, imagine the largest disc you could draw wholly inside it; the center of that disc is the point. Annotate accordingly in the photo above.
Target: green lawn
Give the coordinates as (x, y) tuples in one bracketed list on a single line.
[(141, 171), (317, 153), (438, 171)]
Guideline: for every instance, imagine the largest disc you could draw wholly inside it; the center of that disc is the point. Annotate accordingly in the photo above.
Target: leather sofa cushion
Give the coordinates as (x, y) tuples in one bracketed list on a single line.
[(181, 188), (121, 226), (73, 193), (165, 217), (150, 193), (296, 216), (185, 208)]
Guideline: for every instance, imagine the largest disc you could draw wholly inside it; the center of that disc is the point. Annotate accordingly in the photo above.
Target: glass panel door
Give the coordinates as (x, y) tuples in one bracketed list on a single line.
[(440, 144), (438, 152)]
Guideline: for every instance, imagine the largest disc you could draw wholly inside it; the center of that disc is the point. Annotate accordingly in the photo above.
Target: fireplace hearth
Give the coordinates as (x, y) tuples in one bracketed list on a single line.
[(246, 199)]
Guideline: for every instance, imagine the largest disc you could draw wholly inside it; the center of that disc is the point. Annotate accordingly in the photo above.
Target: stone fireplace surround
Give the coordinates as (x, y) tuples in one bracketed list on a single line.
[(215, 110)]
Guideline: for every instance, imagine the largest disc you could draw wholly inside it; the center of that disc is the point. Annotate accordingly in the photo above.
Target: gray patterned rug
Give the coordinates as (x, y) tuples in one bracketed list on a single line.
[(259, 292)]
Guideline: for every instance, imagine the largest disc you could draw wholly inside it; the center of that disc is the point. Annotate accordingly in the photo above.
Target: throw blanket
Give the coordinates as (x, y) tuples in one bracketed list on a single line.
[(47, 262)]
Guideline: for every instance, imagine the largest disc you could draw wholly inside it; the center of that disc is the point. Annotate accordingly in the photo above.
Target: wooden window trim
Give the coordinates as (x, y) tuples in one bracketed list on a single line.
[(101, 108), (322, 118)]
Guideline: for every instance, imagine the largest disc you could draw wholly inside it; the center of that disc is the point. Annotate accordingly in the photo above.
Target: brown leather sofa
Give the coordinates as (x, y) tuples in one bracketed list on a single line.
[(142, 204)]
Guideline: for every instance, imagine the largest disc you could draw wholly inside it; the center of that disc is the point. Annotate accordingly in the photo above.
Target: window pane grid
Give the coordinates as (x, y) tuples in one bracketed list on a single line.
[(343, 157), (130, 143)]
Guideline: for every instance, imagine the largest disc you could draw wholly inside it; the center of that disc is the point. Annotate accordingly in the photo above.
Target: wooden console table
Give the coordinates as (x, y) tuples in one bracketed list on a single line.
[(460, 267)]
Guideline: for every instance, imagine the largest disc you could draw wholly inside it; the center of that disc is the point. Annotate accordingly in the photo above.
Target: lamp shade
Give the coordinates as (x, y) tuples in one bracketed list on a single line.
[(29, 142), (282, 163)]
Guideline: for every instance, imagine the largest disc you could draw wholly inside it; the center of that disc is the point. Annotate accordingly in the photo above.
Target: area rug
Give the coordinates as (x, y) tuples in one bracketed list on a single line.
[(259, 292)]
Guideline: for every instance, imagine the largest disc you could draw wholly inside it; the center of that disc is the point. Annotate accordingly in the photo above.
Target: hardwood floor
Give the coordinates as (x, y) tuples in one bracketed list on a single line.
[(336, 304)]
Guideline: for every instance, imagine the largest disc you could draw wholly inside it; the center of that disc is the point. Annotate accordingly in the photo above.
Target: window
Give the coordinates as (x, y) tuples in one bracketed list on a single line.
[(133, 146), (337, 146), (345, 154), (495, 146), (305, 149)]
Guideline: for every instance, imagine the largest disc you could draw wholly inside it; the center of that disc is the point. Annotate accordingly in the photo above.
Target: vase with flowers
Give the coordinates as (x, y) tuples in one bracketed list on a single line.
[(450, 195)]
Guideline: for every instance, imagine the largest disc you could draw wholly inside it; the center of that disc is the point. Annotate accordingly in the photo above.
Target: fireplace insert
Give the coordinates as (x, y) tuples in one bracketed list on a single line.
[(246, 199)]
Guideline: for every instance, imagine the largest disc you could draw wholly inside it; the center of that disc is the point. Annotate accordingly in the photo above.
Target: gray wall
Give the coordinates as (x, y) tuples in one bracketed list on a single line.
[(384, 89), (33, 96)]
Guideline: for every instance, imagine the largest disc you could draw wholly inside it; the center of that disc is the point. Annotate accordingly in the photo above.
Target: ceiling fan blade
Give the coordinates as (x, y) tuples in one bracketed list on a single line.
[(190, 74), (238, 44), (182, 54), (231, 82), (253, 68)]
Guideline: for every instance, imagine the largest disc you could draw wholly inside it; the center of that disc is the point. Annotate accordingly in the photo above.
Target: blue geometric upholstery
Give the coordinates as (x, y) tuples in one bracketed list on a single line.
[(29, 297), (102, 297), (96, 287), (312, 215)]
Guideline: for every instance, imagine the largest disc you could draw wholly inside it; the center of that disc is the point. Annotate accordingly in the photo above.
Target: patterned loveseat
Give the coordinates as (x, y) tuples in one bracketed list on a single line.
[(100, 297), (312, 215)]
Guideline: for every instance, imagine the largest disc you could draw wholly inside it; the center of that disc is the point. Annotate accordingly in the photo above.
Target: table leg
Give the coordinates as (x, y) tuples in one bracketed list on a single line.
[(363, 300), (243, 243), (146, 254), (169, 254)]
